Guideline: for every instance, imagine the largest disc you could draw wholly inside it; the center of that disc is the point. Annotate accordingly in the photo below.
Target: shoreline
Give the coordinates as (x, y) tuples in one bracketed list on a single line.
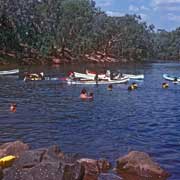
[(16, 64), (11, 58)]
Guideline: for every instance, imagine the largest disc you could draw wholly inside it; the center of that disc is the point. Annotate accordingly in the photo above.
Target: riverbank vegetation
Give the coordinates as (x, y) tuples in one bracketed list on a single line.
[(68, 31)]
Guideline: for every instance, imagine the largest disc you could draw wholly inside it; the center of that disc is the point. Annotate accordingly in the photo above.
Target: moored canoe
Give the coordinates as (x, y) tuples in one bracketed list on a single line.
[(171, 78), (9, 72), (133, 76), (92, 82)]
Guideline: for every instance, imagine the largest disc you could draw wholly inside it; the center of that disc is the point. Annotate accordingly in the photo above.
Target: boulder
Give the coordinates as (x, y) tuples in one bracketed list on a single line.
[(46, 164), (104, 165), (13, 148), (93, 168), (140, 164)]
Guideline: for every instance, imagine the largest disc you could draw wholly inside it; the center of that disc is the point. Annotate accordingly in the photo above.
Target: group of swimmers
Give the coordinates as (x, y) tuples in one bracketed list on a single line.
[(133, 86), (85, 95)]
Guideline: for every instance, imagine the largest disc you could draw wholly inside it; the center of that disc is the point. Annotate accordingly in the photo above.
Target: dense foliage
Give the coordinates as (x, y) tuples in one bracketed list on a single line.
[(167, 44), (44, 28)]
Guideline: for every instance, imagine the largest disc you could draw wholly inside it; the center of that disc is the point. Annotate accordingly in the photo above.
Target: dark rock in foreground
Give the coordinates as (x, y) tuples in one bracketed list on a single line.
[(45, 164), (52, 164), (13, 148), (139, 165), (93, 168)]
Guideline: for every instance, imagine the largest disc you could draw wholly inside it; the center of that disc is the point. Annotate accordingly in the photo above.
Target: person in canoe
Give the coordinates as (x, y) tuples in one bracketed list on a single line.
[(96, 78), (34, 76), (71, 75), (109, 74), (175, 80)]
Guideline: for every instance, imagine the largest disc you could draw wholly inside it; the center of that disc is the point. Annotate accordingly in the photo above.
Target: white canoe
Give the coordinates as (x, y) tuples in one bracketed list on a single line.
[(9, 72), (133, 76), (101, 76), (171, 78), (89, 76), (85, 81), (104, 76)]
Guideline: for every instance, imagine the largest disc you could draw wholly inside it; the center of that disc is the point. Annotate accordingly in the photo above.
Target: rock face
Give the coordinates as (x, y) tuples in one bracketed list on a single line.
[(13, 148), (45, 164), (48, 164), (52, 164), (139, 163), (93, 168)]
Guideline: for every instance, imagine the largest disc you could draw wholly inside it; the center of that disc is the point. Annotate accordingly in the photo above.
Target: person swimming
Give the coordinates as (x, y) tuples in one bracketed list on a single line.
[(110, 87), (83, 94), (91, 95), (13, 107), (165, 85)]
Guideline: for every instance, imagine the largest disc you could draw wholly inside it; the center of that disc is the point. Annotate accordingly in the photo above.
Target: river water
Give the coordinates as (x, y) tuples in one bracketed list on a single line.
[(115, 122)]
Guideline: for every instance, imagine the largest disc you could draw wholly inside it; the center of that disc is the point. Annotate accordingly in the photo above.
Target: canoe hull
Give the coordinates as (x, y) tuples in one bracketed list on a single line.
[(10, 72), (89, 76), (119, 81), (132, 76), (171, 78)]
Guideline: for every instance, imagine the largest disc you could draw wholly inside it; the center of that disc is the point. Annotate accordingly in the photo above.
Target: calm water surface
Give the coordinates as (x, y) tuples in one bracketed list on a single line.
[(49, 112)]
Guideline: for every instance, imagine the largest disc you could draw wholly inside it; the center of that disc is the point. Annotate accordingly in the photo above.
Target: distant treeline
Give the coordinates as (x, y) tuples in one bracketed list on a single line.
[(37, 31)]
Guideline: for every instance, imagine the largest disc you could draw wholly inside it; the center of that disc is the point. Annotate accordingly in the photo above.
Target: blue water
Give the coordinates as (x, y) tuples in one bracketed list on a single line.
[(115, 122)]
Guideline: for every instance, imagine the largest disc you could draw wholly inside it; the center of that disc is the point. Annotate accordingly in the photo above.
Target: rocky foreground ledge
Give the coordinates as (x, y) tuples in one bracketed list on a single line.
[(52, 164)]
